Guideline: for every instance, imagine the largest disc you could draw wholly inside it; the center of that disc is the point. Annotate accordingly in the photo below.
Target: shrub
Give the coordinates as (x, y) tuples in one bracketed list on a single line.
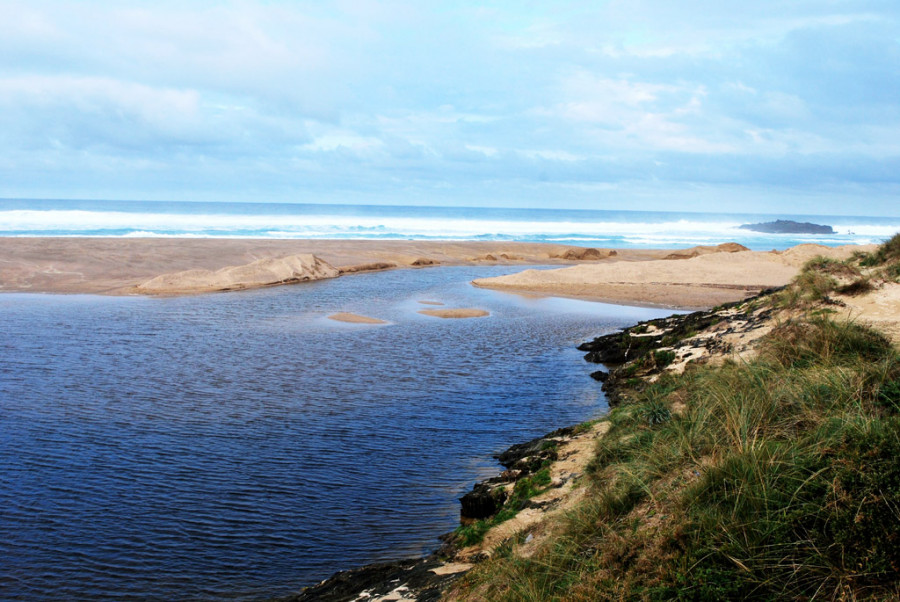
[(663, 357)]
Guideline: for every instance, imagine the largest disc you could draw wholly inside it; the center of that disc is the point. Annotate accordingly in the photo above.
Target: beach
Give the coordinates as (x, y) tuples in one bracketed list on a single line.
[(695, 277)]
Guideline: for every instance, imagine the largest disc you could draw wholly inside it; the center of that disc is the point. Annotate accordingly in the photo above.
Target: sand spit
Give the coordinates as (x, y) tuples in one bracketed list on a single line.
[(344, 316), (429, 302), (455, 313), (120, 266), (116, 266), (703, 280), (263, 272)]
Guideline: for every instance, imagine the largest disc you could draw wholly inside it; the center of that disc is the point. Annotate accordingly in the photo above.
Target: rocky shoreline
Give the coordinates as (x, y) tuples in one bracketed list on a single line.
[(632, 356)]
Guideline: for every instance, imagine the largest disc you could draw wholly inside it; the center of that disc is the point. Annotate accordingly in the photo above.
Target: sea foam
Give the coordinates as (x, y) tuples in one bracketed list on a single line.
[(597, 228)]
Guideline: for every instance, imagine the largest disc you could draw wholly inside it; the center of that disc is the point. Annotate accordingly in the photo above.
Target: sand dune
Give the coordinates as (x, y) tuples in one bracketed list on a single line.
[(263, 272), (728, 247)]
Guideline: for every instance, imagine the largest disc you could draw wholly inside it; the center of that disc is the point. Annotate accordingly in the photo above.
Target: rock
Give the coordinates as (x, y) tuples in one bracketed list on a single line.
[(482, 502), (423, 261), (422, 579), (541, 448), (632, 353), (783, 226), (618, 347)]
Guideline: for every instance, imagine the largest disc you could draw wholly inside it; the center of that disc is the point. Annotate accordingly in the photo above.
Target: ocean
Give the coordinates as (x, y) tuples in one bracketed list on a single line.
[(620, 229), (242, 445)]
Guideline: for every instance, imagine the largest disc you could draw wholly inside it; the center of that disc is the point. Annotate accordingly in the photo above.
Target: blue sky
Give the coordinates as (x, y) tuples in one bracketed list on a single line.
[(787, 107)]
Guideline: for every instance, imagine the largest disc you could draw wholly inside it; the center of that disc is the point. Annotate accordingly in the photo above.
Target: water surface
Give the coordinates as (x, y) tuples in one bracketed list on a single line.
[(604, 228), (242, 445)]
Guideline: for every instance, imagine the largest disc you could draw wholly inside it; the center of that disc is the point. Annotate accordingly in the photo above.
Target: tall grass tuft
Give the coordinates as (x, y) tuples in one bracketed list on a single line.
[(777, 479)]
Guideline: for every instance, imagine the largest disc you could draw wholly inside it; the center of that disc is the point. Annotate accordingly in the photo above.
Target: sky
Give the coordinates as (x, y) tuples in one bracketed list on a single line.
[(710, 105)]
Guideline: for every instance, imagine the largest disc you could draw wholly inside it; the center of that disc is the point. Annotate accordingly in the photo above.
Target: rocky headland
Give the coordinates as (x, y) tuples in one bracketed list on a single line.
[(785, 226)]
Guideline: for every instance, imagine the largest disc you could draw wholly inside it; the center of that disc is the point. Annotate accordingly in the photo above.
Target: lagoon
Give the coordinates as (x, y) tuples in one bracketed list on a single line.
[(242, 445)]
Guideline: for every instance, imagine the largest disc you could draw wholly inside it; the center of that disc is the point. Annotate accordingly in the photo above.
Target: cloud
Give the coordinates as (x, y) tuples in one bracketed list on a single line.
[(459, 102)]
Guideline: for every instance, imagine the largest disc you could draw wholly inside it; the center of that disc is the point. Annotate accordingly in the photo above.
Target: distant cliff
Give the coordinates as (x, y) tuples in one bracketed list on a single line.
[(783, 226)]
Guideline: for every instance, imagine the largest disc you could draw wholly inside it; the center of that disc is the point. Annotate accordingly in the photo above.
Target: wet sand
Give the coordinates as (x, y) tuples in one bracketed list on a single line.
[(344, 316), (467, 312)]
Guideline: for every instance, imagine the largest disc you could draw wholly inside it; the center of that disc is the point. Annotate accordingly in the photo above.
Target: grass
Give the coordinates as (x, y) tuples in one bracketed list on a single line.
[(887, 252), (523, 490), (774, 479), (821, 276)]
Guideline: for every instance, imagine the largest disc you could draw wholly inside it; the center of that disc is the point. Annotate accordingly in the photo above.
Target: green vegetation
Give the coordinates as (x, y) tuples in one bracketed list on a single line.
[(663, 357), (887, 252), (855, 276), (524, 489), (776, 479), (773, 479)]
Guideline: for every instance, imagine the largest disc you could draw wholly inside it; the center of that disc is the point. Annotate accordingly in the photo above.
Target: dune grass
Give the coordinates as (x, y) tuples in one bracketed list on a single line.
[(774, 479)]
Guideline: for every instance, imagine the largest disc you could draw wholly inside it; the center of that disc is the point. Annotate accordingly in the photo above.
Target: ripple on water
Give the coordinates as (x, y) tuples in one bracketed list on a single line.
[(241, 445)]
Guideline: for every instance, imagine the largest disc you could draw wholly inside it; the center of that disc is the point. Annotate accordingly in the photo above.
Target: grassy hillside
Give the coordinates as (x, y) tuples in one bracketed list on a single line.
[(773, 478)]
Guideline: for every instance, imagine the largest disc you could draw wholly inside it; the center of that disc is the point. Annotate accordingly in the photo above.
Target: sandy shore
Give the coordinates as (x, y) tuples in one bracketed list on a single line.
[(691, 278), (682, 280), (129, 266)]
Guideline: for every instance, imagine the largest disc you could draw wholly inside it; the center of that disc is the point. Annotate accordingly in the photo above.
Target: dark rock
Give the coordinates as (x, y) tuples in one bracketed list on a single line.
[(628, 353), (380, 580), (783, 226), (540, 447), (631, 344), (618, 348), (482, 502), (600, 375)]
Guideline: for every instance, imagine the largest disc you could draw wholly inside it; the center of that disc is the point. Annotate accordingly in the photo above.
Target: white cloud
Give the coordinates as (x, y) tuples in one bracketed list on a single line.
[(360, 95)]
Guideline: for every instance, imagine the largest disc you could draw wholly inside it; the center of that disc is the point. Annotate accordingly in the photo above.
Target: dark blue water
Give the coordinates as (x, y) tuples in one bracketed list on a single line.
[(242, 445)]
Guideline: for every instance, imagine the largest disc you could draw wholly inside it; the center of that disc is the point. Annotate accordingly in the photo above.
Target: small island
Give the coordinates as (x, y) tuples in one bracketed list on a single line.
[(783, 226)]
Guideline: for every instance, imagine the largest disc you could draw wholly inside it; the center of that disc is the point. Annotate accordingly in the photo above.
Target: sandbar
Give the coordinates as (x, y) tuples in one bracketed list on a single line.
[(344, 316), (687, 280), (465, 312), (129, 266), (698, 277)]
